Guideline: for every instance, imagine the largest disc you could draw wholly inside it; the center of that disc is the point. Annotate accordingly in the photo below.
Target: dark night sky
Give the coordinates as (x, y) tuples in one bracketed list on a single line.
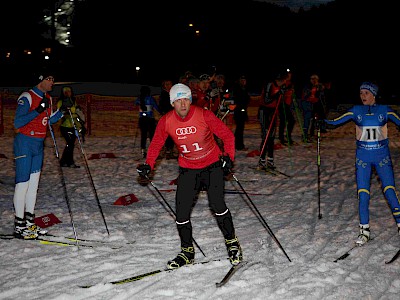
[(343, 42)]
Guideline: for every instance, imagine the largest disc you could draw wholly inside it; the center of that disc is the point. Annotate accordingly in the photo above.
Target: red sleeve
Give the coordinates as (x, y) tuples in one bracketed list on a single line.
[(157, 142), (222, 131)]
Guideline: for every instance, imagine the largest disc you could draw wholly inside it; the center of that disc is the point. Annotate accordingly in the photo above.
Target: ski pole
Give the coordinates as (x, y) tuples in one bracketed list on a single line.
[(264, 223), (62, 178), (271, 124), (225, 114), (171, 209), (88, 171), (319, 167)]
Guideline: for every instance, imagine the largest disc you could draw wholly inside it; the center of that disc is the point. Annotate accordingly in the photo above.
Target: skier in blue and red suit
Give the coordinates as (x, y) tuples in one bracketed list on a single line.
[(372, 151), (34, 112)]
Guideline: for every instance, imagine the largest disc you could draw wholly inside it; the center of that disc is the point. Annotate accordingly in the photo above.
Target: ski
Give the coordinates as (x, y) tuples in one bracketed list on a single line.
[(44, 241), (11, 236), (393, 258), (277, 172), (49, 241), (148, 274), (230, 273), (86, 240), (273, 172), (345, 255)]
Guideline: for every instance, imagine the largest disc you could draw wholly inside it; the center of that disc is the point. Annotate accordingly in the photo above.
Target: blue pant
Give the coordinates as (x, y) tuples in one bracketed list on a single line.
[(28, 153), (381, 161)]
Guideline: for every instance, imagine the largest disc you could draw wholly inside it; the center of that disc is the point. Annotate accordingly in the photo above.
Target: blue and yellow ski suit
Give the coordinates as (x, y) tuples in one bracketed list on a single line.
[(372, 151)]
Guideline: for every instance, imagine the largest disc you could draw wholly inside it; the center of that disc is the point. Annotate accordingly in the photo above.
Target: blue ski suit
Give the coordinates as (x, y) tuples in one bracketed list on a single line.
[(372, 151)]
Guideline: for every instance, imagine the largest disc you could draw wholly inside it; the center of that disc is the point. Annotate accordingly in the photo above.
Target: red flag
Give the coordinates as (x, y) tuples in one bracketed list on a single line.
[(47, 220), (253, 153), (173, 182), (102, 155), (126, 200)]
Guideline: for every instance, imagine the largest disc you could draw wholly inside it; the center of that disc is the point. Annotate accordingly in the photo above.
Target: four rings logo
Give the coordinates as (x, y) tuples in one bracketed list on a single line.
[(185, 130)]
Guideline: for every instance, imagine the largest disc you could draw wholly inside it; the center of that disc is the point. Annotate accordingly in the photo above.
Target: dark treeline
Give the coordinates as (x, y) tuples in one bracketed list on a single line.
[(345, 42)]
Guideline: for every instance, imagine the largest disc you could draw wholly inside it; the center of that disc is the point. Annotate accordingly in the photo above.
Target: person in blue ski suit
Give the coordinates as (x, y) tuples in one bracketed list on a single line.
[(33, 115), (371, 120), (147, 122)]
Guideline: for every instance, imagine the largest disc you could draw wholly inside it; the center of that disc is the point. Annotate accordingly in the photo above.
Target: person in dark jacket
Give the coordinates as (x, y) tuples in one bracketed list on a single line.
[(271, 97), (313, 106), (147, 121), (165, 106), (241, 99)]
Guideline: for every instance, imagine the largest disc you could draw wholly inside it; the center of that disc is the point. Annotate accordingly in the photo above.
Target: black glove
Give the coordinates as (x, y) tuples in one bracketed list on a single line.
[(320, 124), (143, 170), (43, 105), (66, 105), (227, 164)]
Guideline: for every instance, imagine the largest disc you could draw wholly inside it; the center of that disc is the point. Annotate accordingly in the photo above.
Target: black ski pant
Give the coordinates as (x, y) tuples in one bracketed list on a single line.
[(67, 157), (189, 183), (286, 122), (266, 116), (147, 128)]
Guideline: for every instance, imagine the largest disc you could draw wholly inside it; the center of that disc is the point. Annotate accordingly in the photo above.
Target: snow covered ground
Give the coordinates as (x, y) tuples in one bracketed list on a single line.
[(297, 264)]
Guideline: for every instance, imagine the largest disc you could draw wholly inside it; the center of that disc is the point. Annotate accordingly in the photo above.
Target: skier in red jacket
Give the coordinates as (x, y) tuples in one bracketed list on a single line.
[(201, 163)]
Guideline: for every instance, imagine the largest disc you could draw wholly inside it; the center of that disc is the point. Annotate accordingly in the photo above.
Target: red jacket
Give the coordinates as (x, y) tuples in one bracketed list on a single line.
[(194, 138)]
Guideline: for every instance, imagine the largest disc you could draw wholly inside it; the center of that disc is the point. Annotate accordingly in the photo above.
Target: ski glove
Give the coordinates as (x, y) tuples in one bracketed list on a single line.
[(143, 170), (227, 164), (65, 106), (43, 105), (320, 123)]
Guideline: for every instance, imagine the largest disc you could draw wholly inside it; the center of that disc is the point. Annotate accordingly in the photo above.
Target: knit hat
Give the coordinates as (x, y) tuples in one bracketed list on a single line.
[(180, 91), (44, 73), (373, 88), (205, 77)]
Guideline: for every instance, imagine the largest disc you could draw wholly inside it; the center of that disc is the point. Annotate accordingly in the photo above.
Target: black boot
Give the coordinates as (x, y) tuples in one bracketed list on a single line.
[(234, 250), (186, 257)]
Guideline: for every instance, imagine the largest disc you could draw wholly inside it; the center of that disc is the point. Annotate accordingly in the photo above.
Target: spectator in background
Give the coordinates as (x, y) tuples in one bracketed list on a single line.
[(68, 124), (147, 122), (271, 97), (193, 84), (165, 106), (313, 106), (241, 99), (217, 92), (203, 94), (286, 117)]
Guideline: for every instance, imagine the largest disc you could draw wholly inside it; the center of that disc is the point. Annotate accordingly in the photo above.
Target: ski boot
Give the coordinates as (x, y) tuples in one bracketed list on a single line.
[(21, 231), (262, 164), (364, 236), (186, 257), (30, 224), (234, 250), (270, 163)]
